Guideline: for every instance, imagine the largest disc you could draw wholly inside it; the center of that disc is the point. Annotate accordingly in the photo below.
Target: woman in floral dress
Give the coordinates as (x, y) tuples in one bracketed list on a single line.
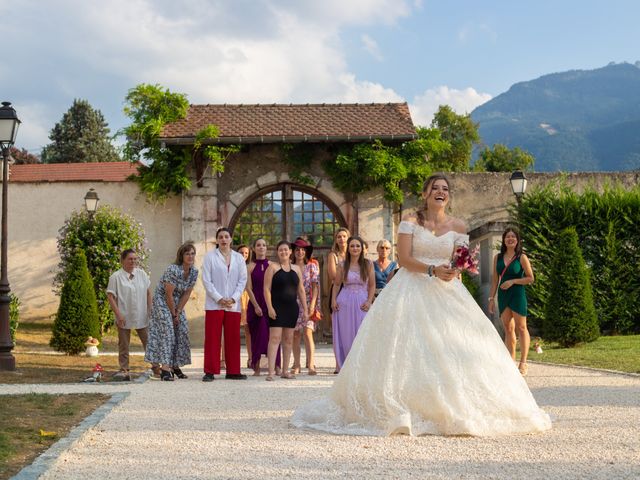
[(168, 330), (302, 251)]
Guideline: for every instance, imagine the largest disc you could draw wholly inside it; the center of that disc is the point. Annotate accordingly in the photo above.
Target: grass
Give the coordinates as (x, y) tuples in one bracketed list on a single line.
[(621, 353), (30, 423), (36, 364)]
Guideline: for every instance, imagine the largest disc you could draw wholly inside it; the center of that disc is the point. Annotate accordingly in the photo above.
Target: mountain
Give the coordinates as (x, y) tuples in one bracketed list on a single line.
[(580, 120)]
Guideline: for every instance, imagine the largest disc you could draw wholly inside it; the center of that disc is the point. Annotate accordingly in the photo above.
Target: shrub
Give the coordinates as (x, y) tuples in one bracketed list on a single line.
[(102, 238), (472, 286), (14, 316), (77, 316), (570, 316), (607, 226)]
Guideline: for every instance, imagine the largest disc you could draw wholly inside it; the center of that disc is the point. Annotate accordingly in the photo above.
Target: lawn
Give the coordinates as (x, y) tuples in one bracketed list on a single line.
[(620, 353), (36, 364), (31, 423)]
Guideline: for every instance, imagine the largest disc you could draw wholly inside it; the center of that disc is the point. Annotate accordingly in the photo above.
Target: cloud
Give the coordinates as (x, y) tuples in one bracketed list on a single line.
[(371, 46), (213, 50), (463, 101)]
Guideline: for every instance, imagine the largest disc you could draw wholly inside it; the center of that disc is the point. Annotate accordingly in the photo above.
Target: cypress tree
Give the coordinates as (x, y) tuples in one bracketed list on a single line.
[(77, 316), (570, 316)]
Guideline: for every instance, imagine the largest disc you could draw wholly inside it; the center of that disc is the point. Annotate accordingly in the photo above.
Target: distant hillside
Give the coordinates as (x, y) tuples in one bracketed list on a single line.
[(574, 121)]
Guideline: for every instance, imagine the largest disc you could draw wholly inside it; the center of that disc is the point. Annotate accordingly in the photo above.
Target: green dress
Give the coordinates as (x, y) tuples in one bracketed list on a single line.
[(514, 297)]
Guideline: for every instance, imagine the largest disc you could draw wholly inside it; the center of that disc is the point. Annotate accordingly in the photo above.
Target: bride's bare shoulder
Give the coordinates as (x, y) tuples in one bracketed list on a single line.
[(410, 217), (458, 225)]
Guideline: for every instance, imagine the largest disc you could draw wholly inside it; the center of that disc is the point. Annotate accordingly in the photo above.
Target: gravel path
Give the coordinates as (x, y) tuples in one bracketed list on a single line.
[(233, 429)]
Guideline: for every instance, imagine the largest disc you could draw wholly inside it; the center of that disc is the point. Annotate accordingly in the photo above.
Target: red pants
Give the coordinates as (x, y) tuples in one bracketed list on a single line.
[(214, 320)]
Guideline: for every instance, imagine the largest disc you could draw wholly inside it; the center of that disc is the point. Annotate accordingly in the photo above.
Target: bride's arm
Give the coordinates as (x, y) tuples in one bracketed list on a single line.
[(406, 259)]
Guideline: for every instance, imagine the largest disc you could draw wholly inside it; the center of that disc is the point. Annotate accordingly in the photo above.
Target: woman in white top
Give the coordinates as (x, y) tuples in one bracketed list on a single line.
[(224, 275)]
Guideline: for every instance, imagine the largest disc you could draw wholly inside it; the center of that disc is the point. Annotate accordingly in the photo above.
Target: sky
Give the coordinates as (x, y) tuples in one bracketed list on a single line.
[(457, 52)]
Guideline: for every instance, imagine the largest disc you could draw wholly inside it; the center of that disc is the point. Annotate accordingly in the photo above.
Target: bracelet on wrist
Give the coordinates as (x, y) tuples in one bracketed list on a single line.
[(491, 298)]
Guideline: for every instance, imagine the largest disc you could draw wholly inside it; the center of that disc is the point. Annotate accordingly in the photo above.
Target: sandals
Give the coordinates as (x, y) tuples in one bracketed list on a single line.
[(269, 378), (178, 373), (288, 376), (312, 371), (523, 368), (295, 370)]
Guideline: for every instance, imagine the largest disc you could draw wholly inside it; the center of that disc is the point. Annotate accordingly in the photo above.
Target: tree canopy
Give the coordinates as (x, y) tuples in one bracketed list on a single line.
[(82, 136), (503, 159), (164, 170), (22, 156), (461, 133)]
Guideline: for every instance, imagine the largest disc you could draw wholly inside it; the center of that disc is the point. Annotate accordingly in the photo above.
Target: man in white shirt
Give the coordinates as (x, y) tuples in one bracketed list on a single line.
[(224, 274), (129, 295)]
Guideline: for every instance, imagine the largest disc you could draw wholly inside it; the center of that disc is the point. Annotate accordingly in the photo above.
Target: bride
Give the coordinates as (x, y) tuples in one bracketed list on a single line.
[(426, 359)]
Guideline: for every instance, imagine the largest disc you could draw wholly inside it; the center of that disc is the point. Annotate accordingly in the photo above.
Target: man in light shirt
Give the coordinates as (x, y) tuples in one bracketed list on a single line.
[(129, 295)]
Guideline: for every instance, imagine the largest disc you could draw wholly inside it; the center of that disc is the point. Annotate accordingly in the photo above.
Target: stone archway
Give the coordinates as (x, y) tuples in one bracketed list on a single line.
[(287, 211)]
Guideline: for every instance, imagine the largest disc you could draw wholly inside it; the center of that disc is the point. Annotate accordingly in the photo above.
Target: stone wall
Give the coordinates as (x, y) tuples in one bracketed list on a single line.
[(38, 210)]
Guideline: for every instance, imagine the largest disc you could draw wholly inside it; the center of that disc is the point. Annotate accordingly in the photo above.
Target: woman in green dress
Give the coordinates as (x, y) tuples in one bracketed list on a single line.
[(511, 272)]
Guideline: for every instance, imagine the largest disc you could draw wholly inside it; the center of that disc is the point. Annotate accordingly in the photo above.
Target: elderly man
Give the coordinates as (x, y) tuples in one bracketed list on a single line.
[(129, 295)]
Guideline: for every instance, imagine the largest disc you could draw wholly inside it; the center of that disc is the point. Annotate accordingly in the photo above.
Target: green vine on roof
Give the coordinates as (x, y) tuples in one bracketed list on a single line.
[(164, 168)]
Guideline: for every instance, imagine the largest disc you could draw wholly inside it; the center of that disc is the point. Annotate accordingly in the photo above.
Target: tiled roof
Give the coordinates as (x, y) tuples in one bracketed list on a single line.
[(72, 172), (296, 123)]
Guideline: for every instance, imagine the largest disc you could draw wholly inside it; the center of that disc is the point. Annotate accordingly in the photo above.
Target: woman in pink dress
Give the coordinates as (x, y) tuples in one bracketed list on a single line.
[(357, 279)]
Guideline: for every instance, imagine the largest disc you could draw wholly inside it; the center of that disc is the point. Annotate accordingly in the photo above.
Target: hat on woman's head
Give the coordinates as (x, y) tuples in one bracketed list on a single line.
[(302, 243)]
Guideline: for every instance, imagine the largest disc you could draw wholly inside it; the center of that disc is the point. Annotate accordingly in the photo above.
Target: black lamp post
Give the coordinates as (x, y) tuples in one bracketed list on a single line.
[(9, 124), (518, 184), (91, 200)]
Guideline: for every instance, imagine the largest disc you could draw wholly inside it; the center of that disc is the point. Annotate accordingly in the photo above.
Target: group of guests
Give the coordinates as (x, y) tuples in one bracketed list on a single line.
[(276, 302)]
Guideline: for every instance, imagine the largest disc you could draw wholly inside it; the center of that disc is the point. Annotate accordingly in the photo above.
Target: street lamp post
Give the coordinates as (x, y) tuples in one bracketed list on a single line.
[(9, 124), (518, 184), (91, 200)]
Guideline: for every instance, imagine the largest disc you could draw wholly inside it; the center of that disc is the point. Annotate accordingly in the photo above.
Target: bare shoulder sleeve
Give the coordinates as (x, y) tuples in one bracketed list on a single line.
[(406, 227)]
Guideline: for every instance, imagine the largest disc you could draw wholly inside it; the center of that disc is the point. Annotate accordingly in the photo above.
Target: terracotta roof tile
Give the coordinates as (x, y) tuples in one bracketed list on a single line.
[(72, 172), (290, 123)]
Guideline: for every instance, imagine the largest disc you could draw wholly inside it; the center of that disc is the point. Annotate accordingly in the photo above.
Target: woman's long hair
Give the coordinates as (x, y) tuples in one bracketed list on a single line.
[(503, 247), (334, 248), (426, 187), (362, 262), (252, 257)]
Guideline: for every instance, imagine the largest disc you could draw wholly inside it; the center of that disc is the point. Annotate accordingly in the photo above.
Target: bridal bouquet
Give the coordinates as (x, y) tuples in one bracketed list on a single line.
[(465, 259)]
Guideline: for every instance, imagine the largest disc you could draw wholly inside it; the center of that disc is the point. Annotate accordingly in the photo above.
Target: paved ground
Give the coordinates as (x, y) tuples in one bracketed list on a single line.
[(231, 429)]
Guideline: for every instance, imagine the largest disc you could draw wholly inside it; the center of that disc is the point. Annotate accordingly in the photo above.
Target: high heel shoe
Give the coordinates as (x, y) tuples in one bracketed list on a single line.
[(178, 373), (165, 376), (523, 368)]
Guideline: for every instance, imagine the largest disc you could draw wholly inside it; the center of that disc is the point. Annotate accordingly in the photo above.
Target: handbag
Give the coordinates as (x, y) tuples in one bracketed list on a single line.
[(316, 316), (495, 296)]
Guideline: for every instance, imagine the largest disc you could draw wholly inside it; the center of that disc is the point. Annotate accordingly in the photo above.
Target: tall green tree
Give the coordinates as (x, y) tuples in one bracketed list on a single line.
[(503, 159), (461, 133), (82, 136), (570, 315)]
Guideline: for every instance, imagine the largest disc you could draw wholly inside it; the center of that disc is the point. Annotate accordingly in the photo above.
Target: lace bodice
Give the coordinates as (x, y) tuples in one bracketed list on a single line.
[(429, 248)]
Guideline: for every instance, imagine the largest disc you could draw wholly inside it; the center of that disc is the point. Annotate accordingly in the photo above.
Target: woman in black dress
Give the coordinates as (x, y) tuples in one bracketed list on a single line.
[(282, 285)]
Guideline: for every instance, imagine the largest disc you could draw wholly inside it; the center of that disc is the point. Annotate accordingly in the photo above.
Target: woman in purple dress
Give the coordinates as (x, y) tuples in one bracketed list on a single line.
[(351, 305), (257, 318)]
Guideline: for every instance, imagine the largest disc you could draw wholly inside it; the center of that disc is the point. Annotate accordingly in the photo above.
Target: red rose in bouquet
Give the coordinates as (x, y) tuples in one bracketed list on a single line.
[(465, 259)]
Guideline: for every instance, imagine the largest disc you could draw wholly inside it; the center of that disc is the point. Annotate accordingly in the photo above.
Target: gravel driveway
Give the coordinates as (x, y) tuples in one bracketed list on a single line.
[(234, 429)]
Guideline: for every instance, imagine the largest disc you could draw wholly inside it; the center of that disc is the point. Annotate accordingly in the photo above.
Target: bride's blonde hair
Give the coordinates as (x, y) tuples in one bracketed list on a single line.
[(426, 187)]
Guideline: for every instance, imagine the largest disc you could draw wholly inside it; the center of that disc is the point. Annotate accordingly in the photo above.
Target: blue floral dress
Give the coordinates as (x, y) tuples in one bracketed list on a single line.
[(169, 344)]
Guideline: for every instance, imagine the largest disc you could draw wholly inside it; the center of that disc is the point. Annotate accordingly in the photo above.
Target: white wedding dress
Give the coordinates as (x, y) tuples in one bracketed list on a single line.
[(426, 360)]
